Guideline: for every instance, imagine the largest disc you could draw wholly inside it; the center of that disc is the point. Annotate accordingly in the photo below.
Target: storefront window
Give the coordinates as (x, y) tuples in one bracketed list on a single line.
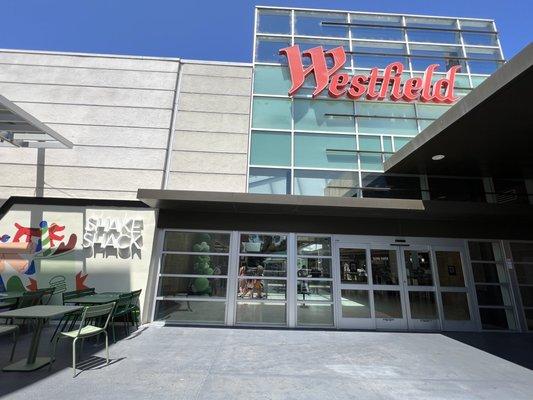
[(270, 148), (492, 286), (193, 277), (264, 244), (355, 303), (314, 246), (522, 253)]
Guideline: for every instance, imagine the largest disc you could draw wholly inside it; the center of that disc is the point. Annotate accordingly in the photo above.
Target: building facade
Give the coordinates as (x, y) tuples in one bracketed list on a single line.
[(230, 201)]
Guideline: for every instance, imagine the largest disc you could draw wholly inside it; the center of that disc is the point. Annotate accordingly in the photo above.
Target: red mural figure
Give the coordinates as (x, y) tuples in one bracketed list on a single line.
[(36, 232)]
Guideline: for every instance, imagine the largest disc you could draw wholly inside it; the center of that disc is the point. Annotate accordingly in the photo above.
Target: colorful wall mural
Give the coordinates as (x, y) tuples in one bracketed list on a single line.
[(72, 248)]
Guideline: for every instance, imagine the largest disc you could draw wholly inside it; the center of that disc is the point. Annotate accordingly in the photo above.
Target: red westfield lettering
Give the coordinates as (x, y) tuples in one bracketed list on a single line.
[(374, 86)]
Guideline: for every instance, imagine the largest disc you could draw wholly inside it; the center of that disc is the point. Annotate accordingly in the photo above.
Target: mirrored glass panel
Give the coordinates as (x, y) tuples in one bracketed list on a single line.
[(271, 113), (384, 267), (355, 303), (194, 264), (522, 251), (387, 304), (269, 181), (270, 148), (524, 273), (190, 311), (271, 80), (353, 266), (391, 186), (380, 33), (320, 24), (488, 272), (484, 251), (418, 268), (198, 242), (433, 36), (324, 115), (314, 245), (480, 39), (274, 21), (267, 49), (326, 183), (450, 268), (324, 150), (263, 243), (493, 295)]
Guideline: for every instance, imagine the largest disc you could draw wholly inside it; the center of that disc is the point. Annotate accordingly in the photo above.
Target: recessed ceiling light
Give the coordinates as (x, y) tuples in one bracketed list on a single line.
[(438, 157)]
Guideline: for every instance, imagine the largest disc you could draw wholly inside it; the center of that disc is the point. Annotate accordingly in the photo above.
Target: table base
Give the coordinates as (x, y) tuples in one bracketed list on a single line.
[(23, 365)]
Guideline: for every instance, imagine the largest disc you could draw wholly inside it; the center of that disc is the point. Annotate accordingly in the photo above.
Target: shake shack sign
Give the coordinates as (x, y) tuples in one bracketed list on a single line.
[(376, 85)]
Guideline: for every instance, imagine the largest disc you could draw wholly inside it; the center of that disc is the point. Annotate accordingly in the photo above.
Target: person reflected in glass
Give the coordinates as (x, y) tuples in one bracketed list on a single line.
[(242, 282), (257, 287)]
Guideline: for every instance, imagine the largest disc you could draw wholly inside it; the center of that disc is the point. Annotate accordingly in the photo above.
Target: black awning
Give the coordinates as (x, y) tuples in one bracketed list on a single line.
[(487, 133)]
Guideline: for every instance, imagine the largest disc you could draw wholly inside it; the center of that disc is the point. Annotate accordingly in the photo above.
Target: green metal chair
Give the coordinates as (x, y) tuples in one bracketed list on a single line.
[(135, 311), (7, 329), (48, 293), (122, 310), (70, 319), (86, 330), (28, 299)]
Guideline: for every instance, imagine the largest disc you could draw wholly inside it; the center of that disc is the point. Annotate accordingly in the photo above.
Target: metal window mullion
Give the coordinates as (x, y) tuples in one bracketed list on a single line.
[(463, 49)]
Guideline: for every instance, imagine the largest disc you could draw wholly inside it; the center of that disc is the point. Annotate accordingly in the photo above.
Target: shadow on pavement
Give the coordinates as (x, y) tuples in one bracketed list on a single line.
[(514, 347)]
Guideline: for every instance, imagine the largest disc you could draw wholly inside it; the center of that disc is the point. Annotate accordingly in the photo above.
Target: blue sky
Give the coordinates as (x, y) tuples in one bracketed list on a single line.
[(209, 29)]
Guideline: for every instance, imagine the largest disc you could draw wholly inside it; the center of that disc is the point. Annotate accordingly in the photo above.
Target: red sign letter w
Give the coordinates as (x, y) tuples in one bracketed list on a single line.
[(318, 66)]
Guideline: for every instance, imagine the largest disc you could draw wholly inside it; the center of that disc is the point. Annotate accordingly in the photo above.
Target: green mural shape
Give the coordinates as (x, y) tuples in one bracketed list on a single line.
[(14, 284)]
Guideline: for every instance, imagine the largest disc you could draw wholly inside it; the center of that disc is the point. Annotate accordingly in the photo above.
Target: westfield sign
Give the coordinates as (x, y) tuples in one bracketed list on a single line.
[(373, 86)]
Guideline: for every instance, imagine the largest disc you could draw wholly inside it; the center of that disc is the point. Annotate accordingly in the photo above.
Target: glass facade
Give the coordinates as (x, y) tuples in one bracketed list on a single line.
[(328, 147)]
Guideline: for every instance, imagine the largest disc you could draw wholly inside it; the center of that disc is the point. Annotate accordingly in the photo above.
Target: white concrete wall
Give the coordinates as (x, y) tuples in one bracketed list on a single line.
[(211, 136), (118, 112)]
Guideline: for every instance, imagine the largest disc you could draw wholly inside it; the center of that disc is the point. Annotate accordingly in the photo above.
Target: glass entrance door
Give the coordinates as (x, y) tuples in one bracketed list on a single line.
[(420, 289)]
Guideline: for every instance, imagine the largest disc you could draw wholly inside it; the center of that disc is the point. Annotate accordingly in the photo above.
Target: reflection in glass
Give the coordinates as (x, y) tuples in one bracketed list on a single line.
[(314, 246), (488, 272), (310, 290), (326, 183), (194, 264), (269, 181), (267, 49), (268, 289), (418, 268), (188, 286), (384, 267), (255, 312), (355, 303), (353, 266), (387, 304), (497, 318), (522, 251), (190, 311), (450, 268), (274, 21), (315, 314), (314, 268), (423, 305), (201, 242), (527, 295), (263, 266), (484, 251), (493, 295), (524, 273), (266, 244), (312, 24), (455, 305)]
